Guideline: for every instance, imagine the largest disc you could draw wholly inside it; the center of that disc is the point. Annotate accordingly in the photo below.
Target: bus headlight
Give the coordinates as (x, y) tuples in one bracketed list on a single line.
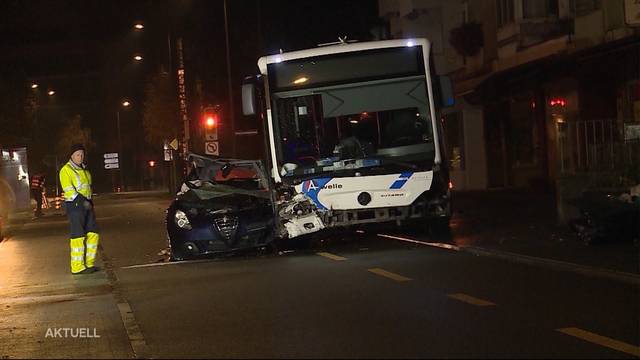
[(180, 218)]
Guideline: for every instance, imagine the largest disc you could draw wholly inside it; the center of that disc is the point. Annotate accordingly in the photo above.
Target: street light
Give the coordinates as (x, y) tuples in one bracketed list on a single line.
[(34, 86), (51, 93), (138, 26), (126, 103), (137, 58)]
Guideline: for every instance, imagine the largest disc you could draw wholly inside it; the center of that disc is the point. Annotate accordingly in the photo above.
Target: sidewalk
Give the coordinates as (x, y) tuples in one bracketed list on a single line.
[(40, 298), (524, 223)]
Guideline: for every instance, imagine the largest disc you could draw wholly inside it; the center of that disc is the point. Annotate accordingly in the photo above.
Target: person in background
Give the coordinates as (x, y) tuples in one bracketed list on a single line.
[(37, 186)]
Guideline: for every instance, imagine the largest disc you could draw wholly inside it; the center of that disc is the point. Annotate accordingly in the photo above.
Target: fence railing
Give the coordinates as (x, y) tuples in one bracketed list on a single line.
[(596, 145)]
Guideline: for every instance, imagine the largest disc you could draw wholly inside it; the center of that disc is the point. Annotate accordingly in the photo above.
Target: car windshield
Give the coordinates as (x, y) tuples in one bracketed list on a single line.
[(241, 175)]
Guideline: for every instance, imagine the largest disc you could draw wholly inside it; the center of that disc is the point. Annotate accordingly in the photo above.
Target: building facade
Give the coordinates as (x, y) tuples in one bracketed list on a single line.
[(544, 88)]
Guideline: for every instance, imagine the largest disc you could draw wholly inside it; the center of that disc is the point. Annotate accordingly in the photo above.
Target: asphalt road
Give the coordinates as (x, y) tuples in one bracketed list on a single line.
[(358, 295)]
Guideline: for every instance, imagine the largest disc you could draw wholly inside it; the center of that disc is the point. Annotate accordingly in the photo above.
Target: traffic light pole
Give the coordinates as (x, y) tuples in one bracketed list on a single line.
[(120, 155), (232, 118), (182, 99)]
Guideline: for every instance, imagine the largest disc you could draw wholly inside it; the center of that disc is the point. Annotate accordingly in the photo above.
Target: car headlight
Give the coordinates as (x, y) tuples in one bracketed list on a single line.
[(180, 218)]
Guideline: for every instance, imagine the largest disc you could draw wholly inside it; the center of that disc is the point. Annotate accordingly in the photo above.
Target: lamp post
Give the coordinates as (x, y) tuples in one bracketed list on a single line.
[(229, 80), (125, 104)]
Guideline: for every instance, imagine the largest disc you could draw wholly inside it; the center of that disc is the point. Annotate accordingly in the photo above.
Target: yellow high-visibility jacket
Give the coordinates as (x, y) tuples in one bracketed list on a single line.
[(75, 180)]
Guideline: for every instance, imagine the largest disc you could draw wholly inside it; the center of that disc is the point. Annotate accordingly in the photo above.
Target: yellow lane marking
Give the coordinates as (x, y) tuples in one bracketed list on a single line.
[(331, 256), (602, 340), (471, 300), (389, 275)]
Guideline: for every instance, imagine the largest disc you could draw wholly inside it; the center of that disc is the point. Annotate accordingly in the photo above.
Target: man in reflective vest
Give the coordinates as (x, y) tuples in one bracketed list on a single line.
[(76, 184)]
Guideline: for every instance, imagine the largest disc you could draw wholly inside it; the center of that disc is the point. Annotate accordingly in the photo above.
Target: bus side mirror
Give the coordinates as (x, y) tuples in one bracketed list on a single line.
[(249, 103), (446, 91)]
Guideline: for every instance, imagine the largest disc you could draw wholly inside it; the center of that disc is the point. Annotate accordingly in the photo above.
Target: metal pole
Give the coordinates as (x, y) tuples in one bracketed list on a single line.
[(260, 37), (586, 144), (561, 145), (613, 157), (595, 144), (579, 144), (57, 185), (120, 154), (169, 48), (182, 98), (230, 88)]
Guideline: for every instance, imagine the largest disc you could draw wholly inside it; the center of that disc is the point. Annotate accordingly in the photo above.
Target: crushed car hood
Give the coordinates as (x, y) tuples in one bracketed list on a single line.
[(217, 196), (210, 191)]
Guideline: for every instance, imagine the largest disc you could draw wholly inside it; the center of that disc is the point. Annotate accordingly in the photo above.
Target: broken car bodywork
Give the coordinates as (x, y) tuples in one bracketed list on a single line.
[(223, 205), (316, 203)]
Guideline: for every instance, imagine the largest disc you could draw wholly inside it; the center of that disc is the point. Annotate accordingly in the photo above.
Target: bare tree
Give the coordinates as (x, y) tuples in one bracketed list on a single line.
[(73, 133), (160, 110)]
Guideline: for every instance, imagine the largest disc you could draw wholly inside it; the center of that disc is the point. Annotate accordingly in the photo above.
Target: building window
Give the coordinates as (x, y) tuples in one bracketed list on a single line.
[(585, 7), (532, 9), (505, 12), (454, 140)]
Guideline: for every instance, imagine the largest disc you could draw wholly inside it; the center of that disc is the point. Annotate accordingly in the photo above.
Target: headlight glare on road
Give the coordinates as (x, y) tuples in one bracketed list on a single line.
[(181, 220)]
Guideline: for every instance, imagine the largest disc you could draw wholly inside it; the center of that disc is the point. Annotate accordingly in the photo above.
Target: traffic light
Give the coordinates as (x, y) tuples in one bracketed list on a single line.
[(558, 102), (210, 122)]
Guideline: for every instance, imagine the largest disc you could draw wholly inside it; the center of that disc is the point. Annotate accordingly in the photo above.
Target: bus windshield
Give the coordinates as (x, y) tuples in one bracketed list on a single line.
[(372, 125)]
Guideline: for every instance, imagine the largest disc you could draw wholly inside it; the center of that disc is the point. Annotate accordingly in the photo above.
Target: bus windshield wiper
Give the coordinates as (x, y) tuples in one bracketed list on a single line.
[(401, 163)]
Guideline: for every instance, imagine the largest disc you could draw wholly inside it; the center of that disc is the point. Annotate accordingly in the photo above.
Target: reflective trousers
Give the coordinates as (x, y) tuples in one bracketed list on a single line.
[(84, 236)]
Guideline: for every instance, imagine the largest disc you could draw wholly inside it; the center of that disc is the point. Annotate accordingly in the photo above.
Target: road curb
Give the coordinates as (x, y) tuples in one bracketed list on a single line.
[(625, 277), (134, 333)]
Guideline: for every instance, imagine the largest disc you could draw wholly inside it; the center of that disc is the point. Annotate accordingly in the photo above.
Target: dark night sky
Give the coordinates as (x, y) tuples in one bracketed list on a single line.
[(83, 49), (53, 37)]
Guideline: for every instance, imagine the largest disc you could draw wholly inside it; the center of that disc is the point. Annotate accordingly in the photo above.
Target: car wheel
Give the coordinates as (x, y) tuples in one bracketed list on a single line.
[(176, 257), (176, 253)]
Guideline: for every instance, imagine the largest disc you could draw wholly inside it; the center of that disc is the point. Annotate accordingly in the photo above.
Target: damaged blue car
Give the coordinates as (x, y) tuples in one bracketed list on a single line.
[(222, 206)]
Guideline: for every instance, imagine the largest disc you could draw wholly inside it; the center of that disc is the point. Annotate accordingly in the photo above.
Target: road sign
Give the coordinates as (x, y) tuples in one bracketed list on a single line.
[(112, 166), (168, 155), (211, 148), (110, 155), (211, 136), (111, 161), (174, 144)]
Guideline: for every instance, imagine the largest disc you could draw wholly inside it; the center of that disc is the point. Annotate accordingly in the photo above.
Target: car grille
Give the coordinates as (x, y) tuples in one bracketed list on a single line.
[(226, 226)]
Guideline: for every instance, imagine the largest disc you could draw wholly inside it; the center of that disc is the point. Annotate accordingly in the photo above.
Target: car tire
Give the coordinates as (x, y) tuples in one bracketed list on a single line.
[(177, 254), (175, 257)]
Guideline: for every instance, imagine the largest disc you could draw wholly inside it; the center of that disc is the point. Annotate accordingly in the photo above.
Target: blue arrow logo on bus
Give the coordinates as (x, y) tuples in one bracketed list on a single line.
[(399, 183)]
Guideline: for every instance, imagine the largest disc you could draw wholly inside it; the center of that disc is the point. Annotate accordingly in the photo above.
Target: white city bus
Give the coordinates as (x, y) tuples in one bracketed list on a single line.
[(353, 135)]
